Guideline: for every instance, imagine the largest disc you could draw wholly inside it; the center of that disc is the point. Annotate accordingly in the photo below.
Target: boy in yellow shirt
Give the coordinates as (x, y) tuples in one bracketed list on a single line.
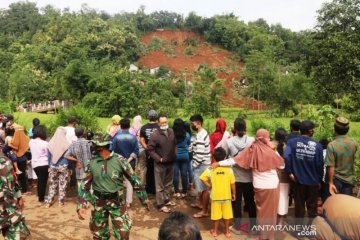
[(221, 181)]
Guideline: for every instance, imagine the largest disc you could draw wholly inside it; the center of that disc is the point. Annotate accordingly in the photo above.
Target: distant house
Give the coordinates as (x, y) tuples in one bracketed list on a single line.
[(133, 68), (159, 29), (244, 82), (153, 71)]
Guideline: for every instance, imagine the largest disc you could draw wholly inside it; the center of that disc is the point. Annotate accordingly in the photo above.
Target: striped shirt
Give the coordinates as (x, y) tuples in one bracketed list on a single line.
[(201, 149), (81, 151)]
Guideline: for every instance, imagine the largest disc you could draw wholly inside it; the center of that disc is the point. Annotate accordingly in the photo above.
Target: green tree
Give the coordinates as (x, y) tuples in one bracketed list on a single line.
[(261, 73), (336, 50), (21, 17), (206, 94)]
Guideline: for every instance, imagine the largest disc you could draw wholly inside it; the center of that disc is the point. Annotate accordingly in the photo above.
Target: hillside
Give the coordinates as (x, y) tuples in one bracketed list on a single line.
[(175, 52)]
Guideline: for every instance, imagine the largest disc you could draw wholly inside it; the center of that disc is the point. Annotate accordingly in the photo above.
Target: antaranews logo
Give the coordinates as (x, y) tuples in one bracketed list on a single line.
[(301, 230), (245, 228)]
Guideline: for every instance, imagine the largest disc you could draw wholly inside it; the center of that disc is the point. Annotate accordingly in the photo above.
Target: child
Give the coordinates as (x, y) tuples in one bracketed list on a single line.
[(222, 183), (9, 133)]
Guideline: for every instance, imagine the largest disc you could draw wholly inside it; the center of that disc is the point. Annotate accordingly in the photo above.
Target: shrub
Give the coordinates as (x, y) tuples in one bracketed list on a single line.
[(169, 52), (189, 51), (86, 116), (174, 41), (256, 124), (191, 41), (156, 44), (242, 114), (355, 116), (6, 107), (162, 71)]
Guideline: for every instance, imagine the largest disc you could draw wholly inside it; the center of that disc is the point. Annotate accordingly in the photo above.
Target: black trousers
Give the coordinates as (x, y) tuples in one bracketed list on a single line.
[(150, 176), (22, 178), (42, 173), (245, 190), (306, 194)]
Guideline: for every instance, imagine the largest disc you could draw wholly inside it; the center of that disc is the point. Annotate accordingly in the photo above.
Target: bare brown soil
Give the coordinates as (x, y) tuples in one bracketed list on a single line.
[(215, 57), (62, 223)]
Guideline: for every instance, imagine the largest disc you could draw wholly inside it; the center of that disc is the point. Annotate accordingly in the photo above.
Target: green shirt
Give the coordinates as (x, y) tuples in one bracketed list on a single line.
[(107, 176), (340, 154)]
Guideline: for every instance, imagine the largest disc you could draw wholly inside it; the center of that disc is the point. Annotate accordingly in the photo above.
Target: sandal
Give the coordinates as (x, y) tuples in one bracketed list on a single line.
[(177, 195), (170, 203), (183, 195), (165, 209), (213, 233), (227, 234), (200, 215)]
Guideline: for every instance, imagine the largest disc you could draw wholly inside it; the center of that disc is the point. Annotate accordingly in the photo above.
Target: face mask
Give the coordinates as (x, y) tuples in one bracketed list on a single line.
[(193, 127), (164, 128)]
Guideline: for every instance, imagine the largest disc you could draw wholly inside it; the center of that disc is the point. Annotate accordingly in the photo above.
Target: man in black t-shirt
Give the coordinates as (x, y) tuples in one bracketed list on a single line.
[(146, 166)]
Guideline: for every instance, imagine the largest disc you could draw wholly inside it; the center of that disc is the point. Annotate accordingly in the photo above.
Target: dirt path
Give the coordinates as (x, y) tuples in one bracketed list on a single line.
[(62, 222)]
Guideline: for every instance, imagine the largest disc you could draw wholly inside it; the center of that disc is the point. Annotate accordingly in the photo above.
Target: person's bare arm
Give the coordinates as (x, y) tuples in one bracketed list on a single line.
[(71, 158), (233, 192), (143, 143), (206, 183), (331, 173), (13, 147)]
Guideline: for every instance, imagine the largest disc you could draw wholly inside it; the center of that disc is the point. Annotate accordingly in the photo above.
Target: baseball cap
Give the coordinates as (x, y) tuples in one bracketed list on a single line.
[(152, 113)]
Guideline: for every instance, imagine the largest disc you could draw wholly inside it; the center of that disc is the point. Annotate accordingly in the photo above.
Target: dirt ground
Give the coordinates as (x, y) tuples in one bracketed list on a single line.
[(62, 222)]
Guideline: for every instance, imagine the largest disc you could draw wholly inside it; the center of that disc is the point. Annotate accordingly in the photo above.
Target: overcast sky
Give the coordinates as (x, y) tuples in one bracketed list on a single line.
[(294, 14)]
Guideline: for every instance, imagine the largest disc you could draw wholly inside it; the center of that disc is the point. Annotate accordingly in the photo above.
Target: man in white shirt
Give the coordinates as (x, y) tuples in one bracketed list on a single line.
[(201, 161)]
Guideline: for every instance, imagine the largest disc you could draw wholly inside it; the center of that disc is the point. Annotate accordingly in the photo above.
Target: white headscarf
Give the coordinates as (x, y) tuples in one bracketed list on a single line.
[(137, 122)]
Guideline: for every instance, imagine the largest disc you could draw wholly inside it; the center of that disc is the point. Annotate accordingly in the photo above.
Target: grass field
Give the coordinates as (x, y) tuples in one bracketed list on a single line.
[(25, 119)]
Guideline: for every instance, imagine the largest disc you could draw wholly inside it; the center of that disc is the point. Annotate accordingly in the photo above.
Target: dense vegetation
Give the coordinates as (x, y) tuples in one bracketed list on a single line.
[(48, 54)]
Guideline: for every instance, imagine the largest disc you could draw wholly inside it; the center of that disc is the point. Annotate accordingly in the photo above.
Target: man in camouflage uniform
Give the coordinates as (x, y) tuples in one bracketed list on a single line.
[(106, 173), (12, 222)]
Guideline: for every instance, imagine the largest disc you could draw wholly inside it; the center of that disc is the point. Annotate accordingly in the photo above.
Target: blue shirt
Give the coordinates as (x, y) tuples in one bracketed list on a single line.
[(62, 161), (304, 158), (126, 145), (183, 149)]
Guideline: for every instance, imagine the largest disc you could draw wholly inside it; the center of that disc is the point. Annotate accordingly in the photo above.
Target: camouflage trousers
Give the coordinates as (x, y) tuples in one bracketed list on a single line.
[(120, 219), (58, 176), (17, 231)]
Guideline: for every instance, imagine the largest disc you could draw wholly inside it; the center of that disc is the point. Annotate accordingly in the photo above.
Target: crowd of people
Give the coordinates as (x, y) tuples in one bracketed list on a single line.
[(225, 168)]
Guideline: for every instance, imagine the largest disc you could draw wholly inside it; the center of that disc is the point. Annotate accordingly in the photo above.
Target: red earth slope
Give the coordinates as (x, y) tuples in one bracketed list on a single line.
[(215, 57)]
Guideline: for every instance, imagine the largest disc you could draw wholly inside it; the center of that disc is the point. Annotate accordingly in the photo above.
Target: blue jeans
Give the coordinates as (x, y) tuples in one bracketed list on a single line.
[(342, 187), (190, 169), (199, 185), (181, 166)]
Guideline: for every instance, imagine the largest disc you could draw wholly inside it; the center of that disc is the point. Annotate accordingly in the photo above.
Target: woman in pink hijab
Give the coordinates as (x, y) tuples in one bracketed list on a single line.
[(264, 161)]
